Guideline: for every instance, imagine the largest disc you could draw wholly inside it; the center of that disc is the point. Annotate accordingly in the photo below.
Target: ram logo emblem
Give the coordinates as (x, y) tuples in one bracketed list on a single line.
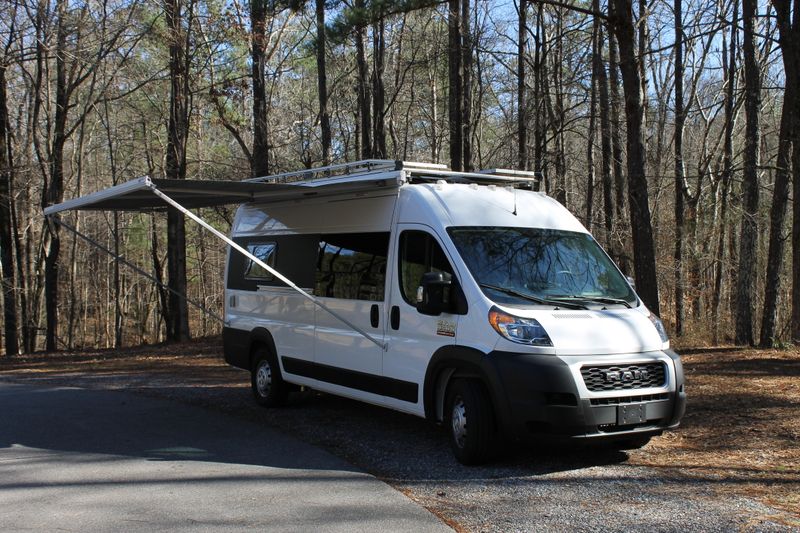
[(612, 376)]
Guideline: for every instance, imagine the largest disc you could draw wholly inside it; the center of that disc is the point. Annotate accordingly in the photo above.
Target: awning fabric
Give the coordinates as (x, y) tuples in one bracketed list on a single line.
[(137, 194), (145, 194)]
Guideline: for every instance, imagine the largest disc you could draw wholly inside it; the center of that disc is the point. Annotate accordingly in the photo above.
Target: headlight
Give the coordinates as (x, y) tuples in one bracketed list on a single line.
[(517, 329), (659, 327)]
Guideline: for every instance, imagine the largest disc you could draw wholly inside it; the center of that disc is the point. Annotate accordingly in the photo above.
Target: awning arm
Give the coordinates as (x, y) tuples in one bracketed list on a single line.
[(138, 270), (263, 265)]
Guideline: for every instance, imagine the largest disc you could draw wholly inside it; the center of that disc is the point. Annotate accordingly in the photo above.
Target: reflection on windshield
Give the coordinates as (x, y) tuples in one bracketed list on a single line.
[(546, 264)]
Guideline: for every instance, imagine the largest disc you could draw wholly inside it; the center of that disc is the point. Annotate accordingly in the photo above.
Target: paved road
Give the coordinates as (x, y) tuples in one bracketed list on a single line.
[(92, 460)]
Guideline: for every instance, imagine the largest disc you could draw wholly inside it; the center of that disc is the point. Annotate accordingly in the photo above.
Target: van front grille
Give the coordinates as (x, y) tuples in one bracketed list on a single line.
[(623, 377), (630, 399)]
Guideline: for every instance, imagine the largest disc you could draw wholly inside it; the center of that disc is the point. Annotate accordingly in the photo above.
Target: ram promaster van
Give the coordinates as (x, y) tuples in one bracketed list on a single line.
[(489, 308), (465, 298)]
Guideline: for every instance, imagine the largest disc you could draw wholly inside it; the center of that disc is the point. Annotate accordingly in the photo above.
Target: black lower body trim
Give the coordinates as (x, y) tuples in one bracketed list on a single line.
[(236, 346), (393, 388)]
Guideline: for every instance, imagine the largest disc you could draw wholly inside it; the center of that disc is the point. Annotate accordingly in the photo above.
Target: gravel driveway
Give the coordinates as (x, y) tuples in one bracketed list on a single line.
[(529, 490)]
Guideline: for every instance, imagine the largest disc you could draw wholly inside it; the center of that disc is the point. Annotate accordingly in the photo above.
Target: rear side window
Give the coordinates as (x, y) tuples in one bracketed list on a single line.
[(419, 253), (266, 252), (294, 256), (352, 266)]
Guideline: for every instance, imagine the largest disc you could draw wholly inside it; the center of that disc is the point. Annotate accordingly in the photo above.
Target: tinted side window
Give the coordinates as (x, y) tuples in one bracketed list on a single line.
[(419, 253), (352, 266), (291, 255)]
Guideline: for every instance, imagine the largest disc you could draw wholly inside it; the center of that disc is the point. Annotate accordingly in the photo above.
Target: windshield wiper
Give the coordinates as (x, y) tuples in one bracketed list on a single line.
[(598, 299), (532, 298)]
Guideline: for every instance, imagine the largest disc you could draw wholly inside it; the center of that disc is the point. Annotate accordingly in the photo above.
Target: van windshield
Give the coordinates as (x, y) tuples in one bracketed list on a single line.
[(520, 266)]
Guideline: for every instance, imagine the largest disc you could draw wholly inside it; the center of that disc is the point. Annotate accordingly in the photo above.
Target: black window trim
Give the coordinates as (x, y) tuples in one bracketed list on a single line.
[(322, 238), (437, 240)]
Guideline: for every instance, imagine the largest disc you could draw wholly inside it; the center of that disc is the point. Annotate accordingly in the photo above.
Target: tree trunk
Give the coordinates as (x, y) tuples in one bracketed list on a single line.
[(621, 18), (729, 68), (455, 93), (522, 91), (28, 332), (555, 109), (539, 124), (680, 120), (795, 325), (178, 132), (158, 272), (258, 24), (466, 85), (53, 193), (642, 42), (378, 90), (590, 174), (605, 143), (322, 84), (11, 342), (788, 18), (749, 234), (620, 254), (363, 83), (780, 198)]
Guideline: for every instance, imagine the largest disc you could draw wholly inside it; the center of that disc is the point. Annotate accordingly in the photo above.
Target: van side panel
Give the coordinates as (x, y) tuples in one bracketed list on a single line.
[(253, 303)]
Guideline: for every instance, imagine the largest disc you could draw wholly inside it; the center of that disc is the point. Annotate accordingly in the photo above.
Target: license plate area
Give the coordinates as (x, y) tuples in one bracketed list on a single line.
[(633, 413)]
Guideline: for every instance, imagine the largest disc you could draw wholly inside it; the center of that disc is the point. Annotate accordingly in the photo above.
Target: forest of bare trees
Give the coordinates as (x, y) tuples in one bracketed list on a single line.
[(671, 128)]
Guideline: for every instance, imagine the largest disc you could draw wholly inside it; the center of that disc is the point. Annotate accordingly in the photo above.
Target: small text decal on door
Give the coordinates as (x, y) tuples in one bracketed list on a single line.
[(446, 328)]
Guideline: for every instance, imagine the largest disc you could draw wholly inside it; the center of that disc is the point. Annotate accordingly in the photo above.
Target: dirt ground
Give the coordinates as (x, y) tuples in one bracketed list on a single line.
[(742, 424), (741, 429)]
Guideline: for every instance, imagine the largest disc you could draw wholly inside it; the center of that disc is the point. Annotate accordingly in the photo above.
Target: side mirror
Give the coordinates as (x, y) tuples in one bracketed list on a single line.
[(433, 294)]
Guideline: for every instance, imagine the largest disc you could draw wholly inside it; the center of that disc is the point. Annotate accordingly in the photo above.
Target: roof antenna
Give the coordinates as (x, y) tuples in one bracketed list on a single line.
[(515, 202)]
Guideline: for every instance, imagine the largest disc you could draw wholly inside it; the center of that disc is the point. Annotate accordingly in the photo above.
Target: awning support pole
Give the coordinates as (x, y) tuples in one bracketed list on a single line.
[(134, 267), (265, 266)]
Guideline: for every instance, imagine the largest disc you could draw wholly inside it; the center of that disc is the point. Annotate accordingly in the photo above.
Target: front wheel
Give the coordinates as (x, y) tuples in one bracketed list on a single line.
[(269, 389), (470, 422)]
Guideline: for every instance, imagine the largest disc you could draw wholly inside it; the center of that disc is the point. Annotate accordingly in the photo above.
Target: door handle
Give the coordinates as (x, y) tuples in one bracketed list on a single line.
[(374, 316), (394, 317)]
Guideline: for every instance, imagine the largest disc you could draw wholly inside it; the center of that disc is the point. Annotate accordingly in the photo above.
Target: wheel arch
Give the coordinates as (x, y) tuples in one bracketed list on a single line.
[(261, 337), (450, 362)]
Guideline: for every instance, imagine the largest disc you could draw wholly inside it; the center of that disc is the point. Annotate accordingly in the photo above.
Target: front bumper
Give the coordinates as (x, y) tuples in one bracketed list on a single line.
[(546, 397)]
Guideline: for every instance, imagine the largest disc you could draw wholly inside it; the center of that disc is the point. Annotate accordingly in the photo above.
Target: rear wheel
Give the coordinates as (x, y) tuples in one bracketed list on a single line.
[(269, 389), (470, 422)]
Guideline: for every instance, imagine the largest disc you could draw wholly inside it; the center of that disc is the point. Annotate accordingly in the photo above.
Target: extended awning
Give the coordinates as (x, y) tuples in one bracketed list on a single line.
[(146, 194), (138, 194)]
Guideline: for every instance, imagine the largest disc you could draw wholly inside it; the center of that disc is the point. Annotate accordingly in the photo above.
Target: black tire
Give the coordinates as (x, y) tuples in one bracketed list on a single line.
[(470, 422), (269, 389)]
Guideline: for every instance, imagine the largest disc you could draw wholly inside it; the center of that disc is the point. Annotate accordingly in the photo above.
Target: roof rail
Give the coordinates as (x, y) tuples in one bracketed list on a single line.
[(331, 171), (511, 173), (415, 171)]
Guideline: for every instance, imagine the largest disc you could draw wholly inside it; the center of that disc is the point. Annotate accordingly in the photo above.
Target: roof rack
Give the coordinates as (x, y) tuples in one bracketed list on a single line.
[(414, 171)]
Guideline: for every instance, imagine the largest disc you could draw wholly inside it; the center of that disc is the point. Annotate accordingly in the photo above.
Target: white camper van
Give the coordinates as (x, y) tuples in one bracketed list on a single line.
[(457, 297), (464, 298)]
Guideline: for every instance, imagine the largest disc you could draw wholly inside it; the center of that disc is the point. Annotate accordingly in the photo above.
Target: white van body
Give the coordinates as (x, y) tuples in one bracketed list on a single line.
[(606, 373), (443, 294)]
